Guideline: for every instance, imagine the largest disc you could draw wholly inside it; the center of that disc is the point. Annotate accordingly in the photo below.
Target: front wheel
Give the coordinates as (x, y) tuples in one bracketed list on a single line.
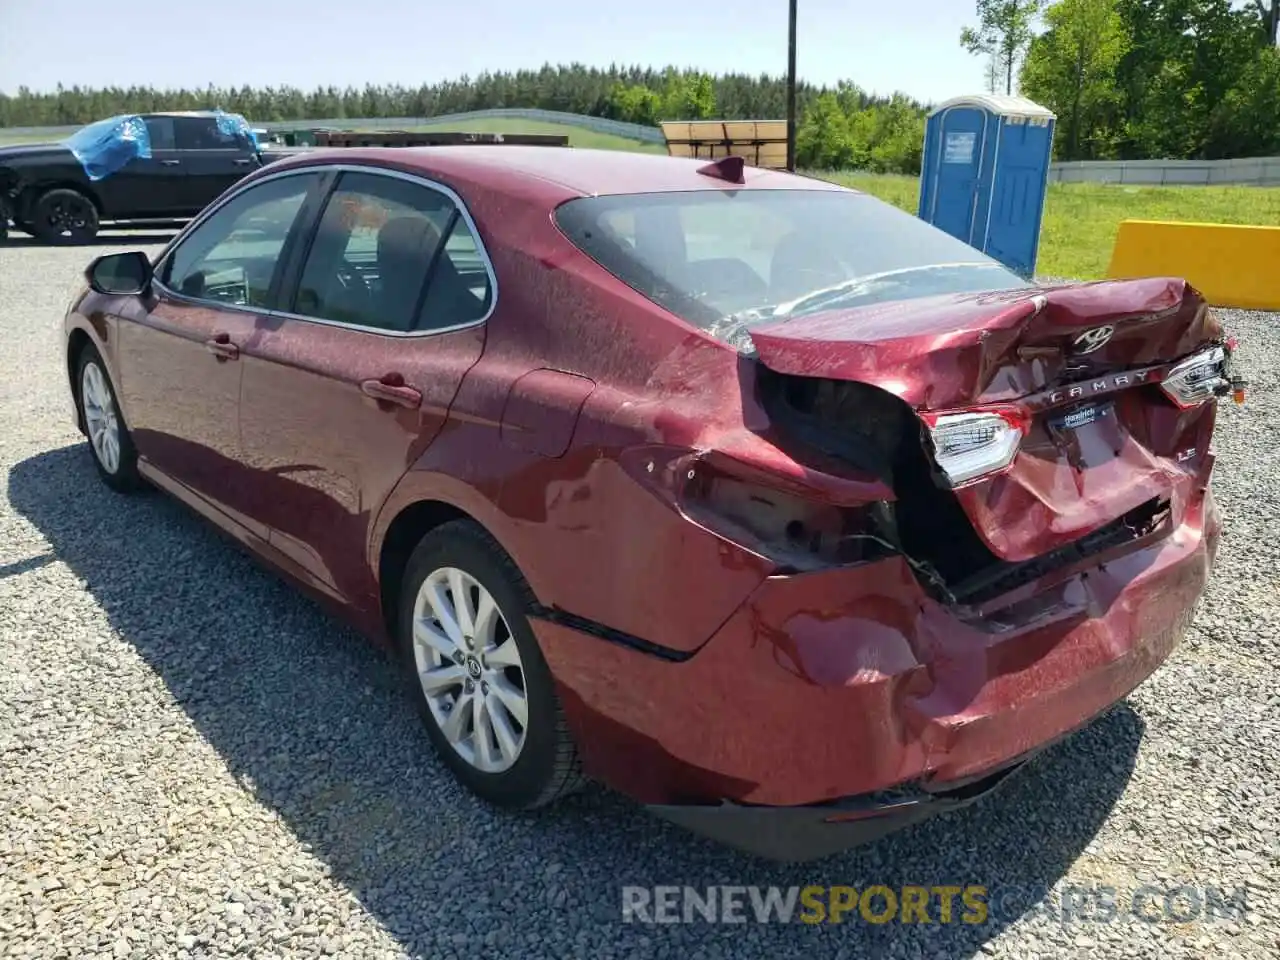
[(63, 215), (479, 678), (109, 441)]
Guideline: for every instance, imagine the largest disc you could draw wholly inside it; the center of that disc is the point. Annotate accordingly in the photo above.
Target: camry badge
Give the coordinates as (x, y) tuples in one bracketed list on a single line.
[(1094, 339)]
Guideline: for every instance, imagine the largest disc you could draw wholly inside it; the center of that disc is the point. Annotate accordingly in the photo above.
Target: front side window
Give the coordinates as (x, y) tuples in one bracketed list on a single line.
[(728, 260), (232, 256), (393, 255)]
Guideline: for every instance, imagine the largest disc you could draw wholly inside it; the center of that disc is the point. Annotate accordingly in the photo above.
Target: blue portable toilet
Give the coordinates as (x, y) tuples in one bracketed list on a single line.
[(984, 174)]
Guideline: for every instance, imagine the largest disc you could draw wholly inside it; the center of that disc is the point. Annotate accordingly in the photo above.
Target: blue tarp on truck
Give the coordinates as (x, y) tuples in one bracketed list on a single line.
[(107, 146), (103, 148)]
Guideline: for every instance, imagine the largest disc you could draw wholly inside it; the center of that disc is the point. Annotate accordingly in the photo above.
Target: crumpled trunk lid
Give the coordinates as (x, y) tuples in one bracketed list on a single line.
[(1079, 365), (951, 351)]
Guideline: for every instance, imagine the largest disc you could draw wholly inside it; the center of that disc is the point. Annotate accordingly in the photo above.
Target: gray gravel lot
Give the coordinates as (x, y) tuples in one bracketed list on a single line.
[(196, 762)]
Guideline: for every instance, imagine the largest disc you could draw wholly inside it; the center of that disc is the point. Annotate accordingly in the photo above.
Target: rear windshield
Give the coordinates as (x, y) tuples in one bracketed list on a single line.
[(728, 260)]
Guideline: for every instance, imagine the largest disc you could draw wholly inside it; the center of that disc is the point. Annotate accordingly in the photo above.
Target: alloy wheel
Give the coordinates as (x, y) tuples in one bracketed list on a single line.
[(68, 217), (100, 417), (470, 670)]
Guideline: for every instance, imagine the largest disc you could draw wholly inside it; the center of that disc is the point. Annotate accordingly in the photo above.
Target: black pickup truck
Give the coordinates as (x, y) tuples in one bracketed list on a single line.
[(157, 166)]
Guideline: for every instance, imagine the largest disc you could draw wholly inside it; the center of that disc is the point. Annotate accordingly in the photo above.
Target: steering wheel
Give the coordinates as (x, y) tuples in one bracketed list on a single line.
[(351, 280), (354, 298)]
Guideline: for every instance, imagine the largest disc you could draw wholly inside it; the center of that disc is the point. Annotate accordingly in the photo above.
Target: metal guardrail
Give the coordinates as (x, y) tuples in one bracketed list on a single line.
[(1249, 171), (1253, 171), (433, 138)]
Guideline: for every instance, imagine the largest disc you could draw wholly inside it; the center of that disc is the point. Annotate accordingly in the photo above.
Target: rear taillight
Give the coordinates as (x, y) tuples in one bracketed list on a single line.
[(1198, 378), (975, 443), (791, 531), (1203, 376)]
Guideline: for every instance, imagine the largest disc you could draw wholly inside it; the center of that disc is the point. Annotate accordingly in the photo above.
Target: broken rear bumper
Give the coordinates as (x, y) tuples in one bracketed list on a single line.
[(796, 834), (846, 683)]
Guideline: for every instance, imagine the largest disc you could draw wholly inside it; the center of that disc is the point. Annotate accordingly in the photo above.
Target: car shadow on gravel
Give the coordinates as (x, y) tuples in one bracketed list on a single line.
[(314, 722)]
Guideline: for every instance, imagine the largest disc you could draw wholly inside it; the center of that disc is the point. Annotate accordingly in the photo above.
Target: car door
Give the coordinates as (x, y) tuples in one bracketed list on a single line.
[(147, 187), (212, 160), (179, 357), (341, 395)]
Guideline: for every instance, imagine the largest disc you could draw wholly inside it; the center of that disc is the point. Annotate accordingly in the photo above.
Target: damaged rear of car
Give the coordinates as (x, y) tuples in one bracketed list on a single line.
[(999, 520)]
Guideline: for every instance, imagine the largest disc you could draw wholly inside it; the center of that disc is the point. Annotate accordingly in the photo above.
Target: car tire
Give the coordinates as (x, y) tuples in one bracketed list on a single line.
[(503, 660), (110, 445), (64, 216)]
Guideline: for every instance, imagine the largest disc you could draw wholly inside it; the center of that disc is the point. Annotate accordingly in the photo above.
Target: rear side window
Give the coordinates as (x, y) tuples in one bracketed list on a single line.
[(727, 260), (393, 255), (202, 133)]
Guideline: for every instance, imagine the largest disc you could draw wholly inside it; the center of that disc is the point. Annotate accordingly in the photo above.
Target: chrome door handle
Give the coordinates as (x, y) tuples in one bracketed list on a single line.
[(222, 347), (392, 392)]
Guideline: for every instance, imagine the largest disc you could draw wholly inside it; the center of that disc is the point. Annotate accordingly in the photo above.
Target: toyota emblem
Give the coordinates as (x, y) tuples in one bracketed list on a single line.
[(1094, 339)]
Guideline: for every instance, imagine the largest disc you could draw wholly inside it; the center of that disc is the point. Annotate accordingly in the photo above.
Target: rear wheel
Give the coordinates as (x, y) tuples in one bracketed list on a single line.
[(479, 679), (109, 441), (63, 215)]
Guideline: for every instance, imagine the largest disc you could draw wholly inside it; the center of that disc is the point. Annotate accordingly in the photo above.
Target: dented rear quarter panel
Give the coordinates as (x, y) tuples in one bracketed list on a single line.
[(580, 379)]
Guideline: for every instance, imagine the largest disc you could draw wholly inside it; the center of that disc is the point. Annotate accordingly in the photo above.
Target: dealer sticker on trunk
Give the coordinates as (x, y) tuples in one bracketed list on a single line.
[(1079, 417)]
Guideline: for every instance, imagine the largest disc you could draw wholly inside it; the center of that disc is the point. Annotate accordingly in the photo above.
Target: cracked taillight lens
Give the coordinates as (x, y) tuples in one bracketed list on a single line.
[(1201, 377), (972, 444)]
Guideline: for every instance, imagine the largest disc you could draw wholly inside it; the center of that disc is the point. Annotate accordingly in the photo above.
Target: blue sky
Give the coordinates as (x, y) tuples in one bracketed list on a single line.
[(883, 47)]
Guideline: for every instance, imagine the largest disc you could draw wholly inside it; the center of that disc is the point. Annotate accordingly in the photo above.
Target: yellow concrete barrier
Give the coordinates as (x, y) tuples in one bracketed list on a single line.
[(1232, 266)]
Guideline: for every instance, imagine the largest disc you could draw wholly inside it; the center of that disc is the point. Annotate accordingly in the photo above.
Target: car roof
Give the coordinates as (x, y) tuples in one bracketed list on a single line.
[(559, 173)]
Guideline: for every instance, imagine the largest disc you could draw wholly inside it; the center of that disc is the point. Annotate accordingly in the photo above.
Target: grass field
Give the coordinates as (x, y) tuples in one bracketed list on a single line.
[(1080, 220)]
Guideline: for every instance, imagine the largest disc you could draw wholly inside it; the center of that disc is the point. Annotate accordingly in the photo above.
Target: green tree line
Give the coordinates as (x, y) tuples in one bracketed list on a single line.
[(1128, 79), (840, 127), (1138, 79), (573, 88)]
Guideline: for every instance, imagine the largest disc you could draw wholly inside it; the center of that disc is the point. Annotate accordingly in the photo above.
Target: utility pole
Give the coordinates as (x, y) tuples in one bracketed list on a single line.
[(791, 91)]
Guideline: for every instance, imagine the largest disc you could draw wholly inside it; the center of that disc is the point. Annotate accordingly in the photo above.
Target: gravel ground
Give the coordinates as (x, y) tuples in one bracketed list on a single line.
[(196, 762)]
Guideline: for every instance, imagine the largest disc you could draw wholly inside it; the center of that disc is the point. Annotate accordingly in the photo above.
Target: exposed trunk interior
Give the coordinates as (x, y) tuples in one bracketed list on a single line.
[(870, 430)]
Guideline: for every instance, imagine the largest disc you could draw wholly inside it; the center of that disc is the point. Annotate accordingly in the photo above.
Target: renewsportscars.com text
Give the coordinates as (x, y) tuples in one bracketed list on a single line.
[(941, 904)]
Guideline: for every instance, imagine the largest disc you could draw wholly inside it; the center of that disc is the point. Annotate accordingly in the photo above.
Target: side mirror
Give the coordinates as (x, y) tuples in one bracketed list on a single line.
[(119, 274)]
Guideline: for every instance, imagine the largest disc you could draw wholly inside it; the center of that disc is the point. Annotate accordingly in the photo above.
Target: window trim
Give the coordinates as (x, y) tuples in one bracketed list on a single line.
[(305, 222), (292, 270)]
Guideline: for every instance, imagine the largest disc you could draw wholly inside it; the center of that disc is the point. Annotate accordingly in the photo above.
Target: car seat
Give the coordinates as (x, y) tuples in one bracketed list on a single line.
[(405, 248)]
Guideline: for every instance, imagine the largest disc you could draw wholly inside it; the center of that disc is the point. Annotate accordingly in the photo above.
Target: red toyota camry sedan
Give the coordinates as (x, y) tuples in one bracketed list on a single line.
[(751, 496)]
